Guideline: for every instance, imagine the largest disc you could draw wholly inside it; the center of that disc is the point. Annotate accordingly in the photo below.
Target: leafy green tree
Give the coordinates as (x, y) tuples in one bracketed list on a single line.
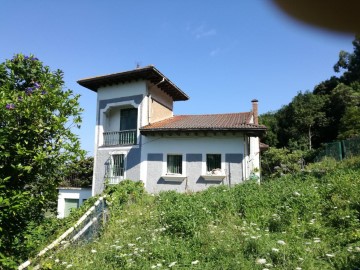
[(308, 114), (78, 173), (350, 62), (37, 114), (280, 161), (270, 121)]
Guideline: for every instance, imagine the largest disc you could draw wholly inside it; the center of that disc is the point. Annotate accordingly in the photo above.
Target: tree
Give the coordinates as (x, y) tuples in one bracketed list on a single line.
[(37, 115), (270, 121), (350, 62), (308, 113), (78, 173)]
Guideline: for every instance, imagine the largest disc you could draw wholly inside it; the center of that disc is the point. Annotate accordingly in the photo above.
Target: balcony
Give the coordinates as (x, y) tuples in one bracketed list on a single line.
[(124, 137)]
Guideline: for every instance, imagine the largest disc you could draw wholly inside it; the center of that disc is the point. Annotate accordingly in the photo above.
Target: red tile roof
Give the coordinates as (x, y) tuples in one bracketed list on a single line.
[(207, 122)]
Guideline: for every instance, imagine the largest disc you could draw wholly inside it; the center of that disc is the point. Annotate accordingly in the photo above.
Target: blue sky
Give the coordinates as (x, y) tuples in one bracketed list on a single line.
[(222, 54)]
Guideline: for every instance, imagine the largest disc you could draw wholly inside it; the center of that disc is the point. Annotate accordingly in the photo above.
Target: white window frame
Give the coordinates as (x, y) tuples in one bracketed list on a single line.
[(117, 179), (174, 177), (213, 177)]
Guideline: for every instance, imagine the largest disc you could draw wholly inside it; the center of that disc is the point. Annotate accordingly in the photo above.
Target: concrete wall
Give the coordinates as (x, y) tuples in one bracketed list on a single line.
[(159, 111), (71, 193), (132, 164), (108, 118), (193, 149), (122, 90), (161, 104)]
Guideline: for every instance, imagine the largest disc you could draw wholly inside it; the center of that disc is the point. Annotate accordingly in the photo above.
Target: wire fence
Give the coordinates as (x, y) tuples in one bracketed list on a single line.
[(340, 149)]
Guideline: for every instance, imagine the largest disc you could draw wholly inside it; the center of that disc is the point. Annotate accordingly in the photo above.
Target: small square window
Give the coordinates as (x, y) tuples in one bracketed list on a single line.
[(213, 162), (174, 164)]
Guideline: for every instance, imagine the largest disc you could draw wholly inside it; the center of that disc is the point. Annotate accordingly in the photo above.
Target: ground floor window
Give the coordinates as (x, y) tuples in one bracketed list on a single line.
[(213, 162), (70, 204), (118, 165), (115, 168), (174, 164)]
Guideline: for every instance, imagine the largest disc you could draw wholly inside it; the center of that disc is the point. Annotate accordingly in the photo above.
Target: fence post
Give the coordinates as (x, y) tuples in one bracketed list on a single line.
[(339, 150)]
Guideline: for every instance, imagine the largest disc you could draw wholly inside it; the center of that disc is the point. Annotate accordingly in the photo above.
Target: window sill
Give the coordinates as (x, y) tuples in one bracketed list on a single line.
[(213, 177), (173, 177)]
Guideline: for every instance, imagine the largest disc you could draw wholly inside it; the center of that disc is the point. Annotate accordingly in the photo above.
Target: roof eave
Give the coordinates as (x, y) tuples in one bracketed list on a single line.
[(149, 73), (249, 131)]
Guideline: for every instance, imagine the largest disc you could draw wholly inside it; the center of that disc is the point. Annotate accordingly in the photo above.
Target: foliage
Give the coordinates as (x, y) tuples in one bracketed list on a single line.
[(307, 221), (350, 62), (328, 113), (277, 162), (36, 140), (78, 173)]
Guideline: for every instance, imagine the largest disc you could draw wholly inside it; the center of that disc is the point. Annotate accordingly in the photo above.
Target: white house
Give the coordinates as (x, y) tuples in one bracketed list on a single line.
[(137, 136)]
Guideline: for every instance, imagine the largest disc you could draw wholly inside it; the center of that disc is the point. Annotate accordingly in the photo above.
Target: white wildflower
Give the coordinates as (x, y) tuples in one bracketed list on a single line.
[(330, 255), (64, 263), (268, 264), (298, 268), (172, 264), (317, 241), (57, 260), (153, 267), (275, 249), (261, 261), (131, 245), (93, 251), (281, 242), (296, 193), (138, 238), (195, 262), (69, 265)]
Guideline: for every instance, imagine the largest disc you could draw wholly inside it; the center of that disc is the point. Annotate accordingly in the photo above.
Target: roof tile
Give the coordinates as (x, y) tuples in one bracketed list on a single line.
[(233, 121)]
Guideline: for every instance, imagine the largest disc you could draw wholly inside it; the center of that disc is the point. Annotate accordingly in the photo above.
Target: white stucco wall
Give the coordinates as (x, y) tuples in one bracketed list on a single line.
[(203, 145), (122, 90), (71, 193)]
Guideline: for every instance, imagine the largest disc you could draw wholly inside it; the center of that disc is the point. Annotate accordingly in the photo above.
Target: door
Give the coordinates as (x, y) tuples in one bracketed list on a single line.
[(70, 204)]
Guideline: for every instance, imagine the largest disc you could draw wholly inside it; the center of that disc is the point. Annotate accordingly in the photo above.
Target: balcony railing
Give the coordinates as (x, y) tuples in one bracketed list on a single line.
[(125, 137)]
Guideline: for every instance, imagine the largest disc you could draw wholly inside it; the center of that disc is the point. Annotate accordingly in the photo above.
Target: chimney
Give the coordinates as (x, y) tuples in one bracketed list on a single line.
[(255, 111)]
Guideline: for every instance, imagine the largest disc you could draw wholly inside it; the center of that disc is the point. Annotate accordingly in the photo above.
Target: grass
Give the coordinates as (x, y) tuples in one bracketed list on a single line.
[(304, 221)]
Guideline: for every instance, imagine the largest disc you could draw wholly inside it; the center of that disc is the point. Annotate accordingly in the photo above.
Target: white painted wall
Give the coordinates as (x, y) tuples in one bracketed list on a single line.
[(161, 96), (71, 193), (189, 145), (122, 90)]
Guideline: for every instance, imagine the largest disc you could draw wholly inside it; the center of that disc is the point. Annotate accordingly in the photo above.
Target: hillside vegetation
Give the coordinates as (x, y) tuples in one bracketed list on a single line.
[(304, 221)]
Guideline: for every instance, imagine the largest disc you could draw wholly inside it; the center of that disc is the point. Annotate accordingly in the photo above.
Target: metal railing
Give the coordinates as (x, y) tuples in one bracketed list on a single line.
[(125, 137)]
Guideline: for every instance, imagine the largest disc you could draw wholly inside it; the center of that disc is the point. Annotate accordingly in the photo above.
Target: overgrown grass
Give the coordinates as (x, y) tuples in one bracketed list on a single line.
[(305, 221)]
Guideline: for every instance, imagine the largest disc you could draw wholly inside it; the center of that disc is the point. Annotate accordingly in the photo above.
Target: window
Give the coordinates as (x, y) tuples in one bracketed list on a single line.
[(70, 204), (213, 162), (117, 165), (128, 119), (174, 164)]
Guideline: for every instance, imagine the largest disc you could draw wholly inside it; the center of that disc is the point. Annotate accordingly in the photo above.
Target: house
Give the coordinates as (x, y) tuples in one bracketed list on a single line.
[(137, 136)]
